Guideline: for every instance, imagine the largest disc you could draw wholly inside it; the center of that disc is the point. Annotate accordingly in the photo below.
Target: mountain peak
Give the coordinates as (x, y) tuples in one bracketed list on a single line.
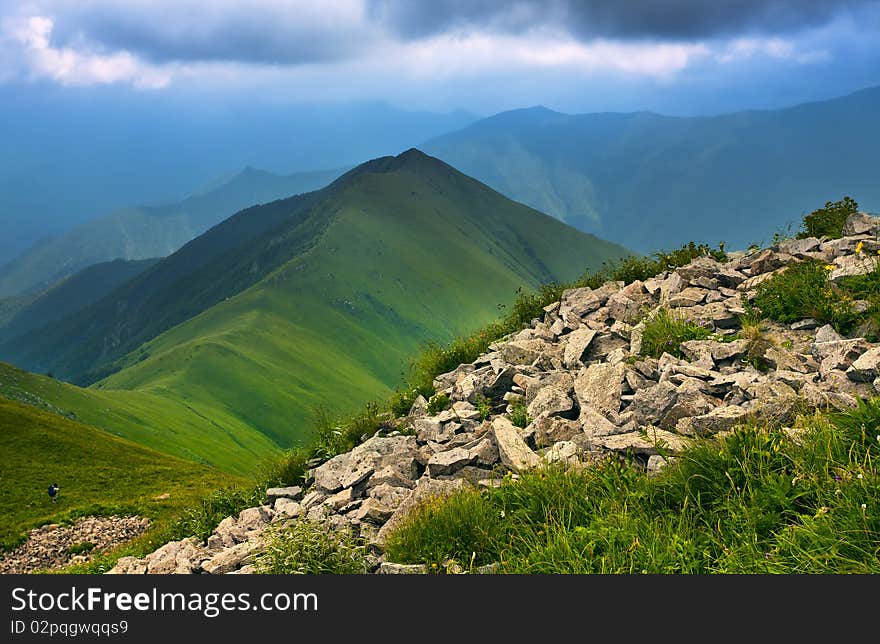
[(412, 159)]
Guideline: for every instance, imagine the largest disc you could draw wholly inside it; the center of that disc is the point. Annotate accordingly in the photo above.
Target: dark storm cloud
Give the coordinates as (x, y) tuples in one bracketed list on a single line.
[(260, 31), (620, 19)]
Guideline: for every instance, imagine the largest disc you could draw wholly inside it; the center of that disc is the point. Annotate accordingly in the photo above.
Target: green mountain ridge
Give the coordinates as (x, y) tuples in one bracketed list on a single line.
[(72, 294), (316, 300), (651, 182), (149, 231)]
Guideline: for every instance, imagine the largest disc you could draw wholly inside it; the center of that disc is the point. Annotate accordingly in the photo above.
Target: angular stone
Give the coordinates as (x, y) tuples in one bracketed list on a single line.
[(286, 507), (821, 398), (388, 568), (690, 296), (576, 344), (783, 359), (525, 352), (465, 410), (798, 247), (866, 367), (807, 324), (390, 475), (710, 268), (635, 338), (650, 404), (293, 492), (651, 441), (354, 467), (512, 449), (499, 384), (600, 386), (687, 403), (729, 350), (576, 304), (449, 461), (228, 560), (564, 453), (657, 463), (595, 424), (827, 333), (697, 351), (446, 380), (604, 344), (850, 265), (837, 355), (552, 401), (860, 223), (719, 419), (252, 519), (769, 260), (485, 452)]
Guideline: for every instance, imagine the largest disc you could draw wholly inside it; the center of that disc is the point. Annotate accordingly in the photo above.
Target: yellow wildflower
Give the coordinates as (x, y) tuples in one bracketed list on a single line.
[(830, 267), (859, 247)]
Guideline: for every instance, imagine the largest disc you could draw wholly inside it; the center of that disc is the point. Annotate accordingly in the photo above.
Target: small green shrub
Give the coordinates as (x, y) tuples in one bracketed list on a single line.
[(401, 401), (438, 403), (80, 548), (666, 331), (312, 548), (828, 221), (634, 268), (803, 291), (519, 415), (483, 406), (759, 340), (289, 469)]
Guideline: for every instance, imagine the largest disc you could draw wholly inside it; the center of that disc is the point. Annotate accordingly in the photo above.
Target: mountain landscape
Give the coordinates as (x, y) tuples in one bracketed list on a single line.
[(652, 182), (315, 300), (139, 233), (383, 287)]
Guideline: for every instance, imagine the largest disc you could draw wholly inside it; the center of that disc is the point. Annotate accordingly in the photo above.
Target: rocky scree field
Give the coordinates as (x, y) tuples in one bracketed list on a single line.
[(590, 398)]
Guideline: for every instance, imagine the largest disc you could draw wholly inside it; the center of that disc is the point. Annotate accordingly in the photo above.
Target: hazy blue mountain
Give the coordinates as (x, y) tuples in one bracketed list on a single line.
[(650, 181), (144, 232), (71, 154), (69, 295)]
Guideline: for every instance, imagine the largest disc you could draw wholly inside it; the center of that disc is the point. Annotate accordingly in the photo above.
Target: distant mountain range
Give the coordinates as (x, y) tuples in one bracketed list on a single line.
[(314, 300), (654, 182), (68, 157), (147, 232)]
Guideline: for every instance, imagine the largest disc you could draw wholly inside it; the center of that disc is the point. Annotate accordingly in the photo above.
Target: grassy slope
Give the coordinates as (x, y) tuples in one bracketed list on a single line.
[(412, 254), (160, 423), (93, 469)]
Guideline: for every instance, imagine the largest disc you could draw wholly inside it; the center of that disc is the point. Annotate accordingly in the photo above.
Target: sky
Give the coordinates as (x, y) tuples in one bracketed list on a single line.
[(680, 57)]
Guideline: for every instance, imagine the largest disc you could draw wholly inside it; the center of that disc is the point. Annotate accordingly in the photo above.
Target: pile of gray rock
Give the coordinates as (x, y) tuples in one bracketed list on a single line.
[(53, 546), (589, 394)]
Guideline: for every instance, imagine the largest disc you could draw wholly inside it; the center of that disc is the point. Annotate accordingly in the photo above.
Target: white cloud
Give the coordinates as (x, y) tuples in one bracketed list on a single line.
[(31, 36), (746, 48)]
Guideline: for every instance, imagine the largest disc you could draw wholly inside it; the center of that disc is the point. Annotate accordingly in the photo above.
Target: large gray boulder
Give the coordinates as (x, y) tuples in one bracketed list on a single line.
[(866, 367), (354, 467), (515, 454), (600, 386)]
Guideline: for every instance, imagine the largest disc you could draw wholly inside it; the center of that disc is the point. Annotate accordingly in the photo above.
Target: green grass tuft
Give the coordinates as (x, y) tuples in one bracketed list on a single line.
[(312, 548), (758, 501), (666, 331)]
